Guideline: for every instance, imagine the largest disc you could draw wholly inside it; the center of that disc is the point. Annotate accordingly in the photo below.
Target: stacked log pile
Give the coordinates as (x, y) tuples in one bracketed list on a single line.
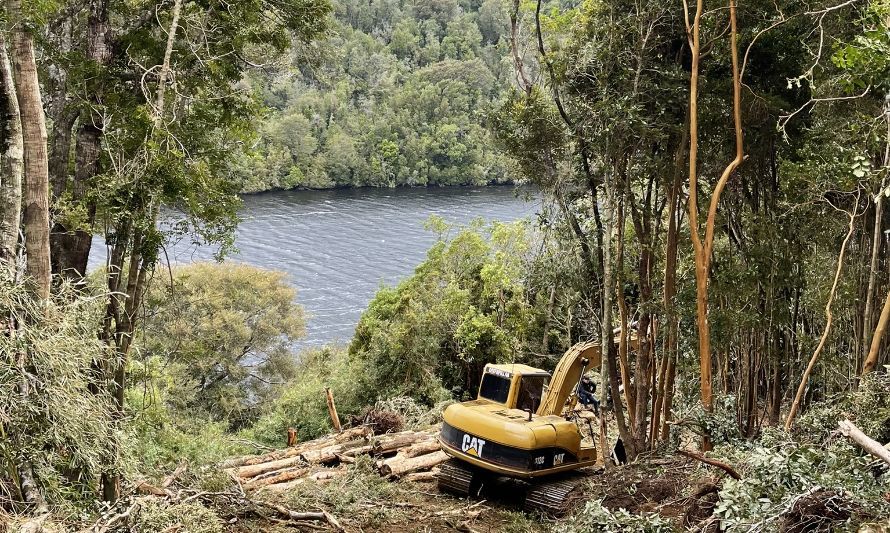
[(409, 454)]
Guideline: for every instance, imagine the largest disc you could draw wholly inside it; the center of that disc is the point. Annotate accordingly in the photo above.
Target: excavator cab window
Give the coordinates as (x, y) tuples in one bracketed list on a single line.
[(531, 390), (494, 388)]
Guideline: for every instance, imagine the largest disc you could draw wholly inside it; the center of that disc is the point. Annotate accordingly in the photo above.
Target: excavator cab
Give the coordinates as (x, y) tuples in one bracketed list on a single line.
[(514, 386)]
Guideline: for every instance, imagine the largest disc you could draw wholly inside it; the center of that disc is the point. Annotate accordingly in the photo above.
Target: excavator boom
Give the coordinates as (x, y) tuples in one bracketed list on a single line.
[(566, 376)]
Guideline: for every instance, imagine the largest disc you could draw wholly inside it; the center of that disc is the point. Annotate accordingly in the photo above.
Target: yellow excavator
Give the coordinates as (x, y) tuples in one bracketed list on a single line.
[(522, 426)]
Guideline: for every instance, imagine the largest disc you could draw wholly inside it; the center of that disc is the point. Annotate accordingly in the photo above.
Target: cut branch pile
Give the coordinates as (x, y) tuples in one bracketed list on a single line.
[(396, 454)]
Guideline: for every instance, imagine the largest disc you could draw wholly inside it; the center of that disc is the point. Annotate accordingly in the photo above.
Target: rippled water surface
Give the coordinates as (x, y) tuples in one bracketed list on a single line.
[(339, 246)]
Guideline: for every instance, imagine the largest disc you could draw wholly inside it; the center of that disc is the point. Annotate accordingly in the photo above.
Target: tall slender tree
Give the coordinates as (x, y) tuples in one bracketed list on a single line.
[(11, 165), (35, 198)]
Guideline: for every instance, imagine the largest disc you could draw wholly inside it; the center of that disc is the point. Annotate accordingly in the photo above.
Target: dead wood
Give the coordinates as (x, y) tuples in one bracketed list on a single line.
[(733, 473), (145, 488), (175, 474), (868, 444), (286, 486), (421, 477), (330, 453), (250, 471), (296, 516), (346, 435), (332, 410), (280, 477), (404, 466), (350, 455), (399, 440), (421, 448)]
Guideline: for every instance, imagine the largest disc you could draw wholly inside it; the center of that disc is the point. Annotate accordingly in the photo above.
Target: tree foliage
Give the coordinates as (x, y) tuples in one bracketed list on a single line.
[(225, 334), (466, 305), (398, 97)]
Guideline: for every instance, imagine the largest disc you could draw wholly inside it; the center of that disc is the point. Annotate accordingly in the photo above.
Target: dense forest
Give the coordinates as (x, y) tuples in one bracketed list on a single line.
[(397, 94), (713, 180)]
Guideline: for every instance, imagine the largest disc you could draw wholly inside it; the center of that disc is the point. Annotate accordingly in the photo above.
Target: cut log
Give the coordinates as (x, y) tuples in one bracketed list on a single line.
[(346, 435), (421, 477), (272, 473), (398, 441), (421, 448), (286, 486), (353, 433), (330, 453), (247, 460), (247, 472), (413, 464), (291, 437), (361, 450), (280, 477), (867, 443), (325, 475)]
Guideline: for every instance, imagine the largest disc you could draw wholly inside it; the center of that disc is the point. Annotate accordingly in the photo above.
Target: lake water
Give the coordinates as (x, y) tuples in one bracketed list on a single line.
[(340, 246)]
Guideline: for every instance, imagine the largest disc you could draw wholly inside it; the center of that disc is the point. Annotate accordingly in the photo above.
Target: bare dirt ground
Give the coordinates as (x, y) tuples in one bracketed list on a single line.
[(664, 486)]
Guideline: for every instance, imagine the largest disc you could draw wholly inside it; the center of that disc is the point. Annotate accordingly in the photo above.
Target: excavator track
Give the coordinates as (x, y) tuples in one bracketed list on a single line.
[(456, 477), (553, 497)]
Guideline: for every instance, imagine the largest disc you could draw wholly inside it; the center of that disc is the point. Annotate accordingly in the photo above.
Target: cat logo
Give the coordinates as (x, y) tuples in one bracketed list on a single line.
[(559, 458), (472, 446)]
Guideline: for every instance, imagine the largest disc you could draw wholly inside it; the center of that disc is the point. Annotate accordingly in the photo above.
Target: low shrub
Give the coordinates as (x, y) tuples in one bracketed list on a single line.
[(595, 517), (158, 515)]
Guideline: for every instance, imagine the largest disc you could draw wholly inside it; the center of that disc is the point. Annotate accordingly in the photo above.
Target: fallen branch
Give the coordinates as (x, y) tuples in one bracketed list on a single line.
[(293, 515), (868, 444), (145, 488), (175, 474), (733, 473)]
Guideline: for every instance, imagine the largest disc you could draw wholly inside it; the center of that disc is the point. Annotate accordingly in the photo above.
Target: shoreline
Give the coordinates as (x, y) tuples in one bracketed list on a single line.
[(517, 183)]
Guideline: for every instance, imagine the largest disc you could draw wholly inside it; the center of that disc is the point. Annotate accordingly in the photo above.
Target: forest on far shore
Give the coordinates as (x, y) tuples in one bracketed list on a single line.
[(395, 94)]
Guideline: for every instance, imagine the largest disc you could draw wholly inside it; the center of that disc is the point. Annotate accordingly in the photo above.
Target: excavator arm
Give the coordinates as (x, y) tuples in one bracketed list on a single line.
[(564, 382)]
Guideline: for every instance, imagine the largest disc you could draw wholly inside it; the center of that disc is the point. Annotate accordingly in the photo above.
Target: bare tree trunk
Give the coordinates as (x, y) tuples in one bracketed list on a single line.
[(518, 62), (36, 175), (606, 324), (11, 167), (871, 360), (704, 248), (623, 323), (73, 244), (872, 271), (675, 212), (804, 379), (35, 199), (121, 314), (545, 337)]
